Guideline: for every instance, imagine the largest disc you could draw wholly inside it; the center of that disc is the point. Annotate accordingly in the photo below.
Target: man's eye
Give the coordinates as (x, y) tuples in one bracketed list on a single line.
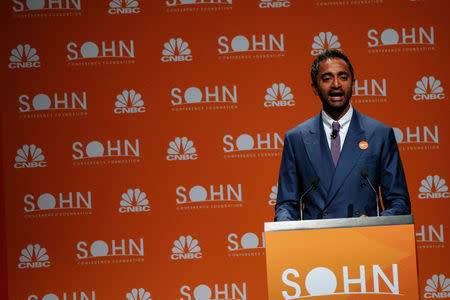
[(344, 77)]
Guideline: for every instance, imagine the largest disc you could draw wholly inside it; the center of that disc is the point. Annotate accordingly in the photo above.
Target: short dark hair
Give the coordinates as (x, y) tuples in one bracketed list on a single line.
[(329, 53)]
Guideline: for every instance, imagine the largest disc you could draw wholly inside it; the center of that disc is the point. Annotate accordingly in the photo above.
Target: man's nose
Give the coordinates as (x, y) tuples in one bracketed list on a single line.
[(336, 83)]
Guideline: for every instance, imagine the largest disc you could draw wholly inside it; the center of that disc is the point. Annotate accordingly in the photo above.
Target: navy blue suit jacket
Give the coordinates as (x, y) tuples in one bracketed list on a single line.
[(342, 192)]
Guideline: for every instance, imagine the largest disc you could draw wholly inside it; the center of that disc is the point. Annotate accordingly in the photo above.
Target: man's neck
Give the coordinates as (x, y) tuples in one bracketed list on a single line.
[(336, 114)]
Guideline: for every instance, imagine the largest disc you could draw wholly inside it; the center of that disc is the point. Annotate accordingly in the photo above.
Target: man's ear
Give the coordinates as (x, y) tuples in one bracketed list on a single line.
[(314, 89)]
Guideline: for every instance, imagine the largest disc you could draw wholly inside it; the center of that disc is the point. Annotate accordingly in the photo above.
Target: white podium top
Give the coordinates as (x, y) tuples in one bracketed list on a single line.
[(338, 223)]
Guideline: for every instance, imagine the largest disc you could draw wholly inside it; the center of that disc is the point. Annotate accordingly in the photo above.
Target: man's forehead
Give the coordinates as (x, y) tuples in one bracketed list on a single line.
[(333, 65)]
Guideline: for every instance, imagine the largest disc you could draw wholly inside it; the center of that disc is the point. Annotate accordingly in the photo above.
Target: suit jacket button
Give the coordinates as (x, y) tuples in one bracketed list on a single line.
[(325, 213)]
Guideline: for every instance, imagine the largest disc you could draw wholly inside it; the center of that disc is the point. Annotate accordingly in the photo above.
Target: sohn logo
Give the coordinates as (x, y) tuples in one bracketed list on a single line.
[(322, 281)]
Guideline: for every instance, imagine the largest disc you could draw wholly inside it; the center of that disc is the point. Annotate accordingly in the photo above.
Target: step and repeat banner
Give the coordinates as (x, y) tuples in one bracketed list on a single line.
[(141, 140)]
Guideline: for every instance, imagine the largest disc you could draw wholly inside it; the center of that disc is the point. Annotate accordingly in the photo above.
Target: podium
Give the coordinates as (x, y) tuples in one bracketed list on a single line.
[(353, 258)]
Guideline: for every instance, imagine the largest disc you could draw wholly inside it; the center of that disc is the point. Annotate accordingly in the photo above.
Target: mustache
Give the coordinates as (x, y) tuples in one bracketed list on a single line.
[(336, 91)]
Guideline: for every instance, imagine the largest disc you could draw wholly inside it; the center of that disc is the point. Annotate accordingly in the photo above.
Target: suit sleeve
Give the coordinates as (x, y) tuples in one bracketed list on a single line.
[(287, 206), (394, 190)]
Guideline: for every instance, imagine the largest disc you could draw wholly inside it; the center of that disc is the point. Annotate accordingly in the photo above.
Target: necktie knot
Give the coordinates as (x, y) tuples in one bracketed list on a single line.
[(336, 126)]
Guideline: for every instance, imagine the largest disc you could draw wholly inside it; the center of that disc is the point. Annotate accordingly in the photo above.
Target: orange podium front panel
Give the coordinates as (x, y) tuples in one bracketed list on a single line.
[(356, 258)]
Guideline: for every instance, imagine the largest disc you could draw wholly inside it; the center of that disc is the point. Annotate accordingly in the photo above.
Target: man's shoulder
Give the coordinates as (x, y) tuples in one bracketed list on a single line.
[(308, 125)]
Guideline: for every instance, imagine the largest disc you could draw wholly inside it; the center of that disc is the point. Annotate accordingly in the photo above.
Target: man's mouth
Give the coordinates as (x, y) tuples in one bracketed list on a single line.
[(336, 95)]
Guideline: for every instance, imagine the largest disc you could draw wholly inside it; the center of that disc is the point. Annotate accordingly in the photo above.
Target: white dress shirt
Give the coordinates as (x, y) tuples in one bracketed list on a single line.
[(344, 122)]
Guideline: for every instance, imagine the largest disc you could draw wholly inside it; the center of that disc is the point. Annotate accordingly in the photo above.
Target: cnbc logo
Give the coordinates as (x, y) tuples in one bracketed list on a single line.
[(186, 247), (176, 50), (138, 294), (24, 57), (134, 201), (129, 102), (438, 287), (433, 187), (181, 149), (279, 95), (274, 3), (29, 156), (273, 195), (123, 7), (324, 41), (34, 257), (428, 88)]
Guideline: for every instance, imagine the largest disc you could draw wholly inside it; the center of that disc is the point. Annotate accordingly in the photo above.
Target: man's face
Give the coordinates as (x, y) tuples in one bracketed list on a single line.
[(334, 84)]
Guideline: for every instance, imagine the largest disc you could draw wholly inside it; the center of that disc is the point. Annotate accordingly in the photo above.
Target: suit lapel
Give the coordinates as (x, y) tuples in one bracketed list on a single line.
[(319, 153), (349, 156)]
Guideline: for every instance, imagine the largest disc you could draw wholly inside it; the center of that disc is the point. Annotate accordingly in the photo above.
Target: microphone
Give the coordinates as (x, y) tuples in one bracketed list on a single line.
[(334, 134), (365, 175), (313, 186)]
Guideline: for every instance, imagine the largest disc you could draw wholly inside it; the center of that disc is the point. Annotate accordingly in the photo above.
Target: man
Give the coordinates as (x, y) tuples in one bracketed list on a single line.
[(334, 157)]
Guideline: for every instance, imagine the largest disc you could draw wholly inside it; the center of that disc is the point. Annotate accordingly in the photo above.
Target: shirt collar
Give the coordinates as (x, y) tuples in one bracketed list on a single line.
[(343, 121)]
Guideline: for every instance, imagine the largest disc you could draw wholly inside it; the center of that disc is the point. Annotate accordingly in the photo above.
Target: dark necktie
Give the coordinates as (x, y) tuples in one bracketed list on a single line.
[(336, 143)]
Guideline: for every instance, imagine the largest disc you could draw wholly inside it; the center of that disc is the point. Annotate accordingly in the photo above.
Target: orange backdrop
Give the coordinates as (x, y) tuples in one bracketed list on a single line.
[(141, 140)]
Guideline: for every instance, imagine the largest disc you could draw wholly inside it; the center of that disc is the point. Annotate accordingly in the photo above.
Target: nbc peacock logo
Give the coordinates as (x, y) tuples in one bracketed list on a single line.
[(134, 200), (438, 287), (279, 95), (24, 57), (129, 102), (186, 247), (428, 88), (181, 148), (123, 7), (138, 294), (324, 41), (34, 257), (274, 3), (30, 156), (433, 187), (176, 50), (273, 195)]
